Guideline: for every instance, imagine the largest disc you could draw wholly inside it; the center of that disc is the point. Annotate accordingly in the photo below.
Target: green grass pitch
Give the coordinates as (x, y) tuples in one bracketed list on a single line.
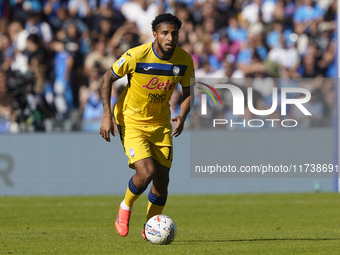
[(207, 224)]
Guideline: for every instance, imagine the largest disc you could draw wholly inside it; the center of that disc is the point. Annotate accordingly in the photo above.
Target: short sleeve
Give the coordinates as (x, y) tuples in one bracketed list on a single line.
[(126, 64), (189, 75)]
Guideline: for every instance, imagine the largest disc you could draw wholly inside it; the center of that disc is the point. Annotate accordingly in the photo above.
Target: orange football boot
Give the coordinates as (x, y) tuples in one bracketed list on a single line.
[(122, 221), (143, 232)]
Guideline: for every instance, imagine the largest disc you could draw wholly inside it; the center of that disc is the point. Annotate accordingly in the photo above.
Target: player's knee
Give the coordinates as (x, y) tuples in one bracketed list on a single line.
[(145, 176)]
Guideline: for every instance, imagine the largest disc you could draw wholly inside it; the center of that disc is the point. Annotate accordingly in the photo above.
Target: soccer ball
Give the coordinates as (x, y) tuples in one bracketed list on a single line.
[(160, 229)]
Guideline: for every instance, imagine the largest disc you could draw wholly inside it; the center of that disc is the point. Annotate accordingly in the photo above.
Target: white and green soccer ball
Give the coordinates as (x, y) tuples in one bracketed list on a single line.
[(160, 229)]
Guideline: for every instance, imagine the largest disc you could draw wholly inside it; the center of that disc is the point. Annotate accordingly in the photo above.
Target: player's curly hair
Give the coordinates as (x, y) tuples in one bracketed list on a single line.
[(167, 18)]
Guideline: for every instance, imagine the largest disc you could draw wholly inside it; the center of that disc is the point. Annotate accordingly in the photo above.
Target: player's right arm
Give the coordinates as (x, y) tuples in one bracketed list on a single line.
[(107, 125), (124, 65)]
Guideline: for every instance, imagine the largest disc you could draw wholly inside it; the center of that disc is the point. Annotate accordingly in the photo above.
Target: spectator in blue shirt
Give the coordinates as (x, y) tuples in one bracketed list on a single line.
[(305, 14), (235, 33)]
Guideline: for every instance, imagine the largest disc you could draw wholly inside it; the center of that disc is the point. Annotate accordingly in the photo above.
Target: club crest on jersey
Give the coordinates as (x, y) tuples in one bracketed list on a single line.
[(132, 152), (176, 70)]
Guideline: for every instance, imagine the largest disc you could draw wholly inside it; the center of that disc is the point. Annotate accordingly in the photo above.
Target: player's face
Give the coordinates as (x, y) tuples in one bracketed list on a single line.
[(166, 38)]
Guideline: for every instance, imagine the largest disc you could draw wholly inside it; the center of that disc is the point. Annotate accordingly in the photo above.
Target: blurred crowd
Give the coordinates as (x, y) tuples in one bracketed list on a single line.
[(53, 54)]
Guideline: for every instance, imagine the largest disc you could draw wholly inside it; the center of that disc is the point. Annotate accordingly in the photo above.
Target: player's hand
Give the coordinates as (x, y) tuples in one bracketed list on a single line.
[(179, 127), (106, 128)]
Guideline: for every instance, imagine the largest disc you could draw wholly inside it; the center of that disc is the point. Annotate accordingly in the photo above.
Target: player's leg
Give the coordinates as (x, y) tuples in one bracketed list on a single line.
[(145, 170), (137, 149), (162, 153), (139, 181), (159, 191)]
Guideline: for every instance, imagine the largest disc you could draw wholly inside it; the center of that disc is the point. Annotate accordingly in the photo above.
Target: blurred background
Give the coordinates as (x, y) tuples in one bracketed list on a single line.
[(53, 54)]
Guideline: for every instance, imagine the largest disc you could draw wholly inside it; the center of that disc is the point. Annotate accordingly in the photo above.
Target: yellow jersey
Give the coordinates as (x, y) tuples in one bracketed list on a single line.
[(151, 81)]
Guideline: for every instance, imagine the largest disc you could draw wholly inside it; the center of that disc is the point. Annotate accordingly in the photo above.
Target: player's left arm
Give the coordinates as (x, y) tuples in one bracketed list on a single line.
[(187, 103), (187, 82)]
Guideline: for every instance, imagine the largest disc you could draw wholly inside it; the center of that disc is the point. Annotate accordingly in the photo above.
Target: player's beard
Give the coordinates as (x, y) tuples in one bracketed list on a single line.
[(165, 52)]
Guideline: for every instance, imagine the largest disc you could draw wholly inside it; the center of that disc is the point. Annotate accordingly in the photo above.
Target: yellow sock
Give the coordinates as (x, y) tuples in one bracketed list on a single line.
[(153, 210), (130, 198), (155, 205), (132, 193)]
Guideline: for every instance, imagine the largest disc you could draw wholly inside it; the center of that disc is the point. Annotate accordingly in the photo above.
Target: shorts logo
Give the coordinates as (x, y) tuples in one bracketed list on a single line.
[(120, 62), (176, 70), (132, 152)]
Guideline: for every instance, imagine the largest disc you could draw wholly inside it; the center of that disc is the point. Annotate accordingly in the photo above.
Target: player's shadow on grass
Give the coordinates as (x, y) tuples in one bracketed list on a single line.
[(257, 240)]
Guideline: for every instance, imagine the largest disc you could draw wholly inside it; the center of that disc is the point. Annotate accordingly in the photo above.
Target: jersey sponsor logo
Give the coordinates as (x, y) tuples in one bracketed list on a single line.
[(148, 68), (121, 61), (176, 70), (155, 84), (128, 54), (156, 98)]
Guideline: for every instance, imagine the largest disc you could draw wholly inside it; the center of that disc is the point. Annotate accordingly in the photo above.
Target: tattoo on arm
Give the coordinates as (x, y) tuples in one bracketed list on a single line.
[(106, 106), (106, 86)]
